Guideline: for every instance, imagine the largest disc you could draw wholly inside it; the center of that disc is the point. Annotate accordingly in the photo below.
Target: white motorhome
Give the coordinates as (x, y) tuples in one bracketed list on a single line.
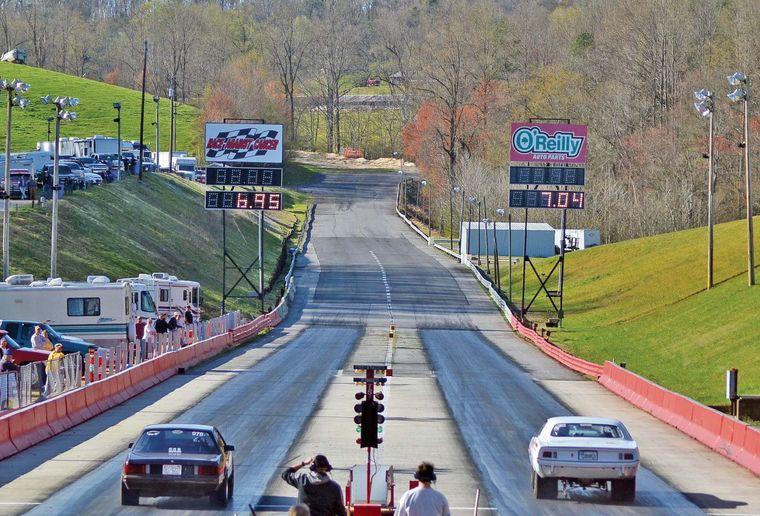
[(163, 159), (66, 146), (35, 159), (170, 294), (97, 310)]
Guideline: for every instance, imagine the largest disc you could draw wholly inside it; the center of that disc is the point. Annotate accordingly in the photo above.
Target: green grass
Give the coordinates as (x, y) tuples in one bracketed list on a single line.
[(377, 132), (123, 229), (645, 302), (96, 112)]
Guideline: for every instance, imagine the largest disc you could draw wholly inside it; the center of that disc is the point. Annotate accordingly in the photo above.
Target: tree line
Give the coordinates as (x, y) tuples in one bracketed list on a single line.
[(455, 73)]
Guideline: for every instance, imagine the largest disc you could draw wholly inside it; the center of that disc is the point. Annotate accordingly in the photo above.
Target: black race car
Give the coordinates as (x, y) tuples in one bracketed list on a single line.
[(178, 460)]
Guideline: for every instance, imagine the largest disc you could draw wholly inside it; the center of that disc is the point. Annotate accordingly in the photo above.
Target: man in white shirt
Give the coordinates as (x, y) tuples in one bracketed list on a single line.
[(40, 341), (423, 500)]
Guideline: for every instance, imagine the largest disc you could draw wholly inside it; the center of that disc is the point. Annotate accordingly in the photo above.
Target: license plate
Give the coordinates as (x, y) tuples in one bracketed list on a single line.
[(587, 455), (172, 469)]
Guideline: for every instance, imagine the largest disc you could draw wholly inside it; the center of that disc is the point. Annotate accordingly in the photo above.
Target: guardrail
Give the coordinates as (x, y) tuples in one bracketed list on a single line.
[(30, 425), (724, 434)]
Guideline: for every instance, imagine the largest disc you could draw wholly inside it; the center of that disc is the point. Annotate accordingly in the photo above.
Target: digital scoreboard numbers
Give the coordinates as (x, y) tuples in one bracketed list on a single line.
[(238, 176), (559, 176), (221, 200), (550, 199)]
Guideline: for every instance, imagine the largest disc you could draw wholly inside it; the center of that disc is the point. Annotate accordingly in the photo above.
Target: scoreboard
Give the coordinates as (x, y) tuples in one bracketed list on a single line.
[(239, 176), (559, 199), (570, 176), (227, 200)]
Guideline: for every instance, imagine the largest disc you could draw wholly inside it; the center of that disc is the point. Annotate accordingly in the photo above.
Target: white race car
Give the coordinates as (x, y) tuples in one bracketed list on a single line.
[(584, 451)]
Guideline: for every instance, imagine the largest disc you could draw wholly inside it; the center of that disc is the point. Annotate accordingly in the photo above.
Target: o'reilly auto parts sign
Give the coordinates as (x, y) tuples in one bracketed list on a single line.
[(244, 143), (549, 143)]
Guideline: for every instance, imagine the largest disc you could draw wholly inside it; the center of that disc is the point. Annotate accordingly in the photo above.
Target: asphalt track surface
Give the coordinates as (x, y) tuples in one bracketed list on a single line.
[(262, 410)]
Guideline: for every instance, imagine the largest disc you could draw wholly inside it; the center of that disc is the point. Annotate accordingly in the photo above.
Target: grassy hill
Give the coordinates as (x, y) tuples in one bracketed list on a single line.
[(96, 112), (129, 227), (644, 302)]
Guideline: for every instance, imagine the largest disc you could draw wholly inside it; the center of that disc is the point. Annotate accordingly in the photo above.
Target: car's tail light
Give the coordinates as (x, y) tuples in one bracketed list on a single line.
[(625, 456), (134, 469), (549, 455), (211, 470)]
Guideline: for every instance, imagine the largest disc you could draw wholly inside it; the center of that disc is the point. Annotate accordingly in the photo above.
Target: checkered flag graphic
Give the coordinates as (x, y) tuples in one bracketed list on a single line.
[(246, 133)]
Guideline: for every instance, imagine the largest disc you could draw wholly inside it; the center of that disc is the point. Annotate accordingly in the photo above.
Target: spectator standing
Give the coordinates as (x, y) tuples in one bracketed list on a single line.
[(188, 315), (150, 333), (320, 493), (5, 352), (140, 337), (161, 325), (32, 189), (9, 364), (53, 369), (423, 500), (172, 323), (23, 187), (40, 339)]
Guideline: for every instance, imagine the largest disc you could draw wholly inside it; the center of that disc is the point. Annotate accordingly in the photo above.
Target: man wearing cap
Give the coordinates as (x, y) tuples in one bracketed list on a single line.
[(7, 363), (423, 500), (316, 489)]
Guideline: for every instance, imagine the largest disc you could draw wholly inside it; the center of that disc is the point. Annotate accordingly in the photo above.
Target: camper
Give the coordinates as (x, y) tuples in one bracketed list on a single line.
[(66, 146), (35, 159), (95, 310), (170, 294)]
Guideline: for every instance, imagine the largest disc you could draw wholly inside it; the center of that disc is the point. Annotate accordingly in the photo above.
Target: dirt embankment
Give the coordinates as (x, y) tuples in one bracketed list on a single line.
[(332, 160)]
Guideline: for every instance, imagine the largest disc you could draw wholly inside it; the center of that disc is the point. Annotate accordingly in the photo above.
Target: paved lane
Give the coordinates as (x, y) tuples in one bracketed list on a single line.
[(261, 412), (498, 407)]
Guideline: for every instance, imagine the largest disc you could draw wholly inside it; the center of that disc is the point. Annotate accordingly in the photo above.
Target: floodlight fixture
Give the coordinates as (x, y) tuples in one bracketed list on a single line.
[(457, 189), (73, 101), (46, 99), (117, 105), (500, 212), (703, 107), (20, 102), (472, 199), (401, 172), (737, 78), (156, 98), (737, 95), (19, 86), (4, 84), (703, 94), (423, 182)]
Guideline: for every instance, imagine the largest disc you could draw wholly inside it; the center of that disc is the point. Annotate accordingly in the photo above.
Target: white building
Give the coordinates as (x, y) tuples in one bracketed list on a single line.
[(578, 238), (540, 243)]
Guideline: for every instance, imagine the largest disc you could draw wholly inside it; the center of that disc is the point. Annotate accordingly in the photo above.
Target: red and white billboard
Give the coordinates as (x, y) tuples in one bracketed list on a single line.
[(549, 143), (244, 143)]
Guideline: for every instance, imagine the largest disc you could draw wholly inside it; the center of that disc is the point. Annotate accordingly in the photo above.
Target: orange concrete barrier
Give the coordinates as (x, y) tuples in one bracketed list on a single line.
[(720, 432), (55, 412), (28, 426), (7, 448), (76, 406)]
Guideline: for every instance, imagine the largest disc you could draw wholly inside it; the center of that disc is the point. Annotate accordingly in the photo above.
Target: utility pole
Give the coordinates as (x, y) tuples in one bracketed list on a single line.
[(710, 188), (7, 194), (142, 108), (157, 100), (117, 107), (172, 95)]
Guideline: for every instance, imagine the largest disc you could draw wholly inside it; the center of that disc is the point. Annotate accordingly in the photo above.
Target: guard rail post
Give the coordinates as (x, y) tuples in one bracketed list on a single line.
[(91, 375)]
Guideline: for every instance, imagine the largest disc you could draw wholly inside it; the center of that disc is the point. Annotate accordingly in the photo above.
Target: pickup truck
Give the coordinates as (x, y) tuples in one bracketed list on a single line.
[(22, 331), (23, 355)]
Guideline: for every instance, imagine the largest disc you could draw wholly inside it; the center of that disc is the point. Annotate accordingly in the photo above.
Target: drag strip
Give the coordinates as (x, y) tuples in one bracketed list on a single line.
[(261, 411), (498, 407)]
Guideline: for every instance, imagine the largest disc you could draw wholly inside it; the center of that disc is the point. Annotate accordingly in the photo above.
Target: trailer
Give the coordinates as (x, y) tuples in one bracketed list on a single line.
[(96, 310), (576, 239), (170, 293), (97, 145)]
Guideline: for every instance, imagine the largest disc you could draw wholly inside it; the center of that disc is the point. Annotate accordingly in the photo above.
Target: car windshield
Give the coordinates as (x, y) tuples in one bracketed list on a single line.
[(176, 441), (586, 430), (54, 334), (146, 303)]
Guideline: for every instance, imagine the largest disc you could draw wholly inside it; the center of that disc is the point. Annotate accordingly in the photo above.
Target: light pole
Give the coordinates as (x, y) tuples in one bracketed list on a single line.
[(459, 189), (12, 88), (471, 200), (117, 107), (705, 106), (172, 94), (157, 99), (486, 220), (500, 212), (430, 199), (479, 218), (741, 94), (402, 186), (61, 103)]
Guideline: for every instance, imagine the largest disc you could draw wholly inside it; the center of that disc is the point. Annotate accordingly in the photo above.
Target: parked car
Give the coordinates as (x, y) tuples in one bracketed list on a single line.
[(21, 354), (584, 451), (178, 460), (93, 164), (17, 175), (22, 331), (92, 179), (66, 175)]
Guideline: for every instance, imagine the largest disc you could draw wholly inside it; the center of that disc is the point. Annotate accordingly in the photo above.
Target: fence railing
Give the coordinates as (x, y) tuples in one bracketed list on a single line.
[(41, 380), (9, 395)]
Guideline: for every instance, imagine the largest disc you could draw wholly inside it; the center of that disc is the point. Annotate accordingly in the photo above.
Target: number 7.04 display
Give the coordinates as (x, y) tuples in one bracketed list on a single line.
[(557, 199)]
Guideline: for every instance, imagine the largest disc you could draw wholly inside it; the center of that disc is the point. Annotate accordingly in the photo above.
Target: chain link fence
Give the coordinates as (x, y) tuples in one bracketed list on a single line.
[(9, 391)]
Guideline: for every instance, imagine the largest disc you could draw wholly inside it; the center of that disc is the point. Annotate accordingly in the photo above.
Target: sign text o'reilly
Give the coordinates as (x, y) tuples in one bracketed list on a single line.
[(549, 143)]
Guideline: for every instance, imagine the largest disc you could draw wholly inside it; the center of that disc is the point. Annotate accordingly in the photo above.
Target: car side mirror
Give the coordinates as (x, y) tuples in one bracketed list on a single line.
[(229, 447), (130, 445)]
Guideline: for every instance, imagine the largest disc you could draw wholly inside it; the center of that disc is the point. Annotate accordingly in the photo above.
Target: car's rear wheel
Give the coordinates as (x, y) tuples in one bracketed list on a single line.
[(624, 490), (543, 488), (221, 496), (129, 497)]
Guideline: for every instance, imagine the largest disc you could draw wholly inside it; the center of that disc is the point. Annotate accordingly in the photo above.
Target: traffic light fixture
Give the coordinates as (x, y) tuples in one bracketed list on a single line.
[(369, 417)]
